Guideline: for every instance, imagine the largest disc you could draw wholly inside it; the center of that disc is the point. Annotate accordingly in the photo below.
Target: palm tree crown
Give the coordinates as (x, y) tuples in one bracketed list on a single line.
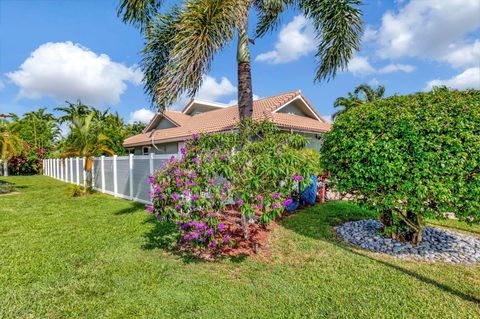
[(180, 45), (363, 93)]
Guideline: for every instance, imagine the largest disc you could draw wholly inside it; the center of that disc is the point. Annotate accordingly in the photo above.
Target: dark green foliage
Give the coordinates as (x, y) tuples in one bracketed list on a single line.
[(410, 157)]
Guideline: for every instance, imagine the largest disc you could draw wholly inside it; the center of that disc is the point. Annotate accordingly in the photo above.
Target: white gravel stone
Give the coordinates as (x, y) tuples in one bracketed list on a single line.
[(438, 245)]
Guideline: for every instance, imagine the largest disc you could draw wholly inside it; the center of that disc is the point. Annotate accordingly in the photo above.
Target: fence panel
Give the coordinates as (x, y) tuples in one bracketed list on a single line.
[(97, 173), (130, 180), (108, 172), (141, 172), (123, 177)]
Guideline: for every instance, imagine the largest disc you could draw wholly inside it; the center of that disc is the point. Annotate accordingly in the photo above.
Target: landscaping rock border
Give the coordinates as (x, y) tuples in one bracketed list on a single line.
[(438, 245)]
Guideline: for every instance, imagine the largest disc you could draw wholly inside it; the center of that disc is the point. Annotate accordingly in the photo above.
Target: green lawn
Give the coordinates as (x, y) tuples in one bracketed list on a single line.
[(101, 257)]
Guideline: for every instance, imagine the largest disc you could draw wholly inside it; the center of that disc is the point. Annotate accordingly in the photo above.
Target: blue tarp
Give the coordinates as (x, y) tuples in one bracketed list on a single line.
[(308, 196)]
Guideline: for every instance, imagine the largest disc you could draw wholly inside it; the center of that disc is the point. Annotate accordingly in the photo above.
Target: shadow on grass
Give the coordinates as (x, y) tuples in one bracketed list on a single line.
[(164, 236), (317, 223), (134, 207)]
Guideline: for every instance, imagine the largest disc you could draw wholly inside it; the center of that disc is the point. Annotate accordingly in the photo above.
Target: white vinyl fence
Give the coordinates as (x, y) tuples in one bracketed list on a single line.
[(120, 176)]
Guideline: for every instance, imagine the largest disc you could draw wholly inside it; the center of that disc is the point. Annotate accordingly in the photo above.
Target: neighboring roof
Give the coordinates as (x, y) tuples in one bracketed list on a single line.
[(225, 119)]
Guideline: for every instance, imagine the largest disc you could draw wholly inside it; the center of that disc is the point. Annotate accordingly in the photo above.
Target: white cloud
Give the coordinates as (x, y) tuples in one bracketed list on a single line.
[(407, 68), (142, 115), (65, 70), (464, 55), (468, 79), (359, 65), (430, 29), (295, 40), (211, 90), (369, 34)]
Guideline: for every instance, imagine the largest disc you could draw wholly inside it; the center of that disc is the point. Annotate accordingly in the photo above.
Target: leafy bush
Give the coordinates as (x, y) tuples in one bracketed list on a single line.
[(410, 157), (258, 170), (30, 162), (77, 190)]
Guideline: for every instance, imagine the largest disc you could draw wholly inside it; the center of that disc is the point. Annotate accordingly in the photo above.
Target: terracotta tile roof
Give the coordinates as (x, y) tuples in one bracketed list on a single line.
[(225, 119)]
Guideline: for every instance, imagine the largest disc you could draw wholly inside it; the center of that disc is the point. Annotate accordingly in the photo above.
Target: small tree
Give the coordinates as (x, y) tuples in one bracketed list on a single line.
[(410, 157), (87, 141), (10, 145)]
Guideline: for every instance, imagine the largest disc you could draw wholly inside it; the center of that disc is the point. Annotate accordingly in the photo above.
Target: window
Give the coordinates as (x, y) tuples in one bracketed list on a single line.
[(146, 150)]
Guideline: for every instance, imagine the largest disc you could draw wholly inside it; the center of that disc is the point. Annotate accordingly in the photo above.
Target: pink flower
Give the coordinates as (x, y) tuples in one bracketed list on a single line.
[(297, 178), (287, 202), (276, 195), (195, 197), (149, 208), (221, 227), (239, 202)]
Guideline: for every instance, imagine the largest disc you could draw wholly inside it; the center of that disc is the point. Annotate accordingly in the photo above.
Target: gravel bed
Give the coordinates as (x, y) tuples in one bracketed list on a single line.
[(438, 245)]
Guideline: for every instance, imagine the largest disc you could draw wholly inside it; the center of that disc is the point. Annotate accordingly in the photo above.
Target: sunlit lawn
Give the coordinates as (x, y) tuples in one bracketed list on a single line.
[(101, 257)]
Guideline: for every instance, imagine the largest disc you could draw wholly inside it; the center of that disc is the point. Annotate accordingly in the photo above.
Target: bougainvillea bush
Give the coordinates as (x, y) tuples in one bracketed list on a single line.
[(410, 157), (258, 172)]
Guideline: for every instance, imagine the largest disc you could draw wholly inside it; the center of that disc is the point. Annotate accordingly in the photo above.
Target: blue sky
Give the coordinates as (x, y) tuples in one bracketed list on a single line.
[(52, 51)]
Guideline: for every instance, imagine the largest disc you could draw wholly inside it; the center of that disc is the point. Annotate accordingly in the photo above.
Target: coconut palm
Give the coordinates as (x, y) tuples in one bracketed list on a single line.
[(10, 145), (370, 94), (72, 110), (347, 103), (180, 45), (363, 93), (87, 141)]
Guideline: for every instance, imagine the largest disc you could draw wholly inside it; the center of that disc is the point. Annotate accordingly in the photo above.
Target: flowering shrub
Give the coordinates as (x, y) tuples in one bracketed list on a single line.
[(258, 171)]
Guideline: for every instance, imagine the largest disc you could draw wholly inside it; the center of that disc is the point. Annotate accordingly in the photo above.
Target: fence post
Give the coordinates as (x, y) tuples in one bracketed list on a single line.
[(85, 173), (115, 186), (62, 169), (71, 170), (54, 168), (130, 174), (151, 169), (67, 173), (58, 168), (93, 172), (102, 167), (78, 170)]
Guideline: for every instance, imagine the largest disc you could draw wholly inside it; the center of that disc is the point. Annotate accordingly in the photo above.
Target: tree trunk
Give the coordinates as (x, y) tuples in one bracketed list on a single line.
[(245, 94), (409, 230), (5, 168), (87, 183)]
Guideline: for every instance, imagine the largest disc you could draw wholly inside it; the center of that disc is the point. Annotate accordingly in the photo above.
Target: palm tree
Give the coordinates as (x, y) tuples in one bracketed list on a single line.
[(44, 127), (180, 45), (88, 141), (72, 110), (368, 94), (10, 145), (347, 103)]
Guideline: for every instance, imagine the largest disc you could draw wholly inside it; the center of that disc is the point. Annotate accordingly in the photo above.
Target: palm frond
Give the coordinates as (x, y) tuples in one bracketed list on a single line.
[(198, 31), (138, 12), (268, 12), (339, 27)]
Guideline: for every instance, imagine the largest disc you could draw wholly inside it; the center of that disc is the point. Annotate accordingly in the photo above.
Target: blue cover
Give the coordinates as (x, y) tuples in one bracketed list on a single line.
[(309, 194), (292, 206)]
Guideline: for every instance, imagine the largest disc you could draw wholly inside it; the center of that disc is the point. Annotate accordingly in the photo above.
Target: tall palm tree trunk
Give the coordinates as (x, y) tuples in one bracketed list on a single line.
[(245, 94)]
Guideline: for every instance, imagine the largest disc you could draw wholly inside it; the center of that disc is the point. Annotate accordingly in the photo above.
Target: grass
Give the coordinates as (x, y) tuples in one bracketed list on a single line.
[(101, 257)]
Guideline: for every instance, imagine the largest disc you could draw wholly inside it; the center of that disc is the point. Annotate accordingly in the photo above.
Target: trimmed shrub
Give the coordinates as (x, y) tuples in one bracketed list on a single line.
[(410, 157)]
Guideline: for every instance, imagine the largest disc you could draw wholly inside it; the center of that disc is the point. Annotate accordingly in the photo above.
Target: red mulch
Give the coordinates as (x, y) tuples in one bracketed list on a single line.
[(258, 235)]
